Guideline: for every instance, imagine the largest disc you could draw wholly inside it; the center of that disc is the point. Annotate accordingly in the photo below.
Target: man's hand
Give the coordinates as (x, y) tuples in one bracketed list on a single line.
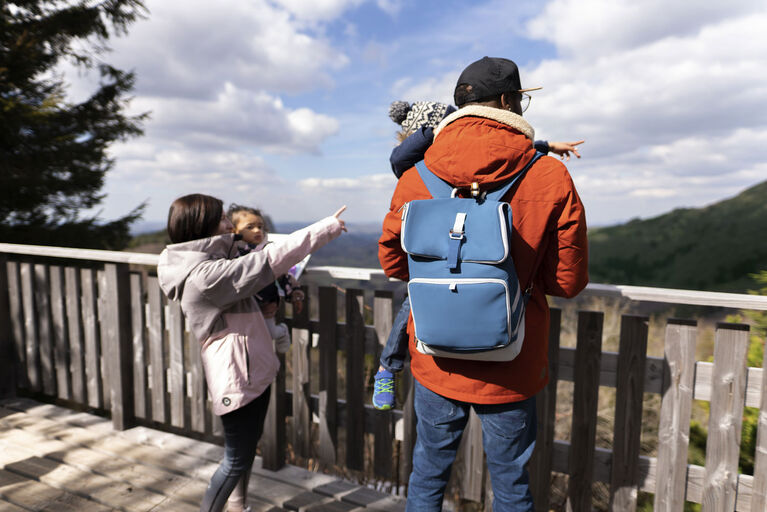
[(563, 149)]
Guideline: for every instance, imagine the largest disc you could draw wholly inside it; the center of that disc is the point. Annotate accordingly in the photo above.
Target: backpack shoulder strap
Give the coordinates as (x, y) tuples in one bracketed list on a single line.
[(497, 194), (437, 186)]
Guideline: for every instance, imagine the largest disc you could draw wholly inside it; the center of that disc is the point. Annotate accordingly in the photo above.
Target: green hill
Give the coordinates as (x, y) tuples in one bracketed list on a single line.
[(712, 248)]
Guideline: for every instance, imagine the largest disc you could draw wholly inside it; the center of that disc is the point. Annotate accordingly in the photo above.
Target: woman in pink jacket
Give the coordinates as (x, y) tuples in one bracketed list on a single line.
[(215, 287)]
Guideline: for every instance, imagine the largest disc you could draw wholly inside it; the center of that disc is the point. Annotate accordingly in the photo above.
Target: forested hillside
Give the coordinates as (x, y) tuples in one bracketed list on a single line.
[(711, 248)]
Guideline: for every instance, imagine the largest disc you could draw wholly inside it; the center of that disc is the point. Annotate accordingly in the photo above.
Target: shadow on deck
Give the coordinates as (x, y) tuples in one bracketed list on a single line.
[(55, 459)]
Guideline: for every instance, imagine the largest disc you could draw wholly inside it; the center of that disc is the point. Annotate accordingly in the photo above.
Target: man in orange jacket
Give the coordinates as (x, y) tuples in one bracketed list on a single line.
[(488, 141)]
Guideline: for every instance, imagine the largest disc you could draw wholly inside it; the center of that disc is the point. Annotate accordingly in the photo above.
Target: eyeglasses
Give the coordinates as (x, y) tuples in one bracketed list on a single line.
[(524, 101)]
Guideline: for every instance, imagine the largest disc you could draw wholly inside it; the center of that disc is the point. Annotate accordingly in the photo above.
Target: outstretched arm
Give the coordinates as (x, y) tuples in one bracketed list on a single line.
[(563, 149)]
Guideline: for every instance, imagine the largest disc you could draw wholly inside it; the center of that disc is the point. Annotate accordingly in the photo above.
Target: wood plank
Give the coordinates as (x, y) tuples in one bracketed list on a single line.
[(140, 360), (302, 414), (653, 378), (76, 334), (471, 455), (383, 452), (17, 322), (197, 391), (725, 417), (624, 481), (156, 338), (7, 347), (328, 374), (703, 383), (273, 446), (676, 407), (31, 339), (585, 401), (759, 489), (546, 404), (118, 344), (101, 280), (177, 377), (89, 309), (60, 333), (355, 385), (44, 334)]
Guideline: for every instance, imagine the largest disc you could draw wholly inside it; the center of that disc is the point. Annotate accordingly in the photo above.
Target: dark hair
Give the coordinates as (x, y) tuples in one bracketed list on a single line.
[(235, 210), (193, 217)]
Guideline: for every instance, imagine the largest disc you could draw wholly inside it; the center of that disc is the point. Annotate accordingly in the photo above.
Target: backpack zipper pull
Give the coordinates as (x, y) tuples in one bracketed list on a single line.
[(474, 189)]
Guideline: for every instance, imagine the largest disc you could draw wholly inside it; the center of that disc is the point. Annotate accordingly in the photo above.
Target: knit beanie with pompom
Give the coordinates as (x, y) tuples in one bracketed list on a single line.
[(419, 114)]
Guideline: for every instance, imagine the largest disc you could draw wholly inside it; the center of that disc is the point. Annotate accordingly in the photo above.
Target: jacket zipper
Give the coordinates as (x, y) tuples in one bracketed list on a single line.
[(247, 360)]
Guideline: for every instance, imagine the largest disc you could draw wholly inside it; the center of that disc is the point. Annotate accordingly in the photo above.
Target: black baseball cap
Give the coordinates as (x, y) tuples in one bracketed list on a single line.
[(489, 77)]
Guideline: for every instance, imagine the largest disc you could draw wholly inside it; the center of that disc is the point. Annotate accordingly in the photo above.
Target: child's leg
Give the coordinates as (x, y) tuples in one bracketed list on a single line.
[(279, 333), (395, 350), (392, 360)]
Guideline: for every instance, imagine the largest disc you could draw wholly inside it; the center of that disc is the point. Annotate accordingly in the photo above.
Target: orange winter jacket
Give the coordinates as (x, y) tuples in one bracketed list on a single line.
[(549, 245)]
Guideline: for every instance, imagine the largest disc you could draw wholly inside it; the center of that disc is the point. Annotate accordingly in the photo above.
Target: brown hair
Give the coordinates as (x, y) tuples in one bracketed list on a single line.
[(193, 217), (236, 210)]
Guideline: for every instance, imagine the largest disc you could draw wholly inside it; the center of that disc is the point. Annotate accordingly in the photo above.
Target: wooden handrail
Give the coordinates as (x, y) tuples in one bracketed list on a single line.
[(637, 293)]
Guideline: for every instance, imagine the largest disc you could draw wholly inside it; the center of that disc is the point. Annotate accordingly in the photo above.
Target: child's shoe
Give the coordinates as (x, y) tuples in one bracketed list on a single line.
[(383, 390)]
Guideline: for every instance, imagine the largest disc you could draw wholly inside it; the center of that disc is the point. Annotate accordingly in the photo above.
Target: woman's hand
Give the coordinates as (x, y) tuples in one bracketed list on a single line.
[(337, 215), (563, 149)]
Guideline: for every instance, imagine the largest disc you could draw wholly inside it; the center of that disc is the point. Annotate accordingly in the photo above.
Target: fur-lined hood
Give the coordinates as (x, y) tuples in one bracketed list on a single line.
[(480, 144), (496, 114)]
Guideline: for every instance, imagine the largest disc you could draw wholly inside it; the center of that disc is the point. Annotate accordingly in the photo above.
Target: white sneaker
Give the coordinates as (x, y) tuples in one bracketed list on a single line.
[(282, 339)]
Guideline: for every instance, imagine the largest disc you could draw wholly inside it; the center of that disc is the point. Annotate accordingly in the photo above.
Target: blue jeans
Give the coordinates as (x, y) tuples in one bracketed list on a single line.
[(242, 430), (395, 350), (508, 436)]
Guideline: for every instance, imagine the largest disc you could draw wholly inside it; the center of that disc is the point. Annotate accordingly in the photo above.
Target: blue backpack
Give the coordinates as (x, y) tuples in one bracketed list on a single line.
[(464, 293)]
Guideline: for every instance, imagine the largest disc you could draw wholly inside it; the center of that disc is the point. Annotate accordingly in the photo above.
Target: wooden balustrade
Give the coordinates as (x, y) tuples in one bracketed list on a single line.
[(99, 334)]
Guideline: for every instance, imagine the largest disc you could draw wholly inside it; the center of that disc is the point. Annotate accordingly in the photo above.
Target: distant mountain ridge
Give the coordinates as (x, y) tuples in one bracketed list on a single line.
[(712, 248)]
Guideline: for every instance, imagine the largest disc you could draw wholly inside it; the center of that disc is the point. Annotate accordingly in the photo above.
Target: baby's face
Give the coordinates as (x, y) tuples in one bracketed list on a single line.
[(251, 227)]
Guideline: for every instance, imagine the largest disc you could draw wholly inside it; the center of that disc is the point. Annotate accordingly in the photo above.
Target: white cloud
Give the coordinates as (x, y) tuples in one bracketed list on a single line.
[(390, 7), (187, 48), (667, 112), (317, 10), (592, 28), (238, 118)]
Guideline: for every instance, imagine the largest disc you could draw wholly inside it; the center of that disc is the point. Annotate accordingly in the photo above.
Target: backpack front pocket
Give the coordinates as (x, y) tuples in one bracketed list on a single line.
[(462, 315)]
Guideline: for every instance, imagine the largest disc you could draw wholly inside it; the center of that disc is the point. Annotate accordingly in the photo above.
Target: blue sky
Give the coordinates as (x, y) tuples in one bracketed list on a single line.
[(282, 104)]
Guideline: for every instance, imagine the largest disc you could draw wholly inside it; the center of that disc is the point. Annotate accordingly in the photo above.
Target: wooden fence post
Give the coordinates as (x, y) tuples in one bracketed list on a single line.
[(61, 345), (384, 431), (546, 404), (273, 439), (759, 488), (328, 409), (675, 410), (302, 414), (355, 353), (728, 386), (119, 344), (588, 356), (7, 365), (627, 429)]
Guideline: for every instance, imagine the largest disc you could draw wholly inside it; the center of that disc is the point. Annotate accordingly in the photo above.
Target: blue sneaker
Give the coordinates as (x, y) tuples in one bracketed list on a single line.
[(383, 391)]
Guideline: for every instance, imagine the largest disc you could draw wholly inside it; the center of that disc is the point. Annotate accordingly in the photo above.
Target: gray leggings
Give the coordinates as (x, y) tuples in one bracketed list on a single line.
[(242, 430)]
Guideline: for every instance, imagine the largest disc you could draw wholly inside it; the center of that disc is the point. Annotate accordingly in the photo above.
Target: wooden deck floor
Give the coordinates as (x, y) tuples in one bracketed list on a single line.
[(54, 459)]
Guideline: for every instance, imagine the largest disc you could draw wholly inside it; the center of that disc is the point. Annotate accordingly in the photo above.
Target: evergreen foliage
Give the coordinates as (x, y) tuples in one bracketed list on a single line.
[(53, 153), (712, 248)]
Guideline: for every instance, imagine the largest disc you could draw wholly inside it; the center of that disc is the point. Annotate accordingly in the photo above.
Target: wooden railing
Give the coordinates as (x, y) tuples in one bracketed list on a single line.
[(92, 329)]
